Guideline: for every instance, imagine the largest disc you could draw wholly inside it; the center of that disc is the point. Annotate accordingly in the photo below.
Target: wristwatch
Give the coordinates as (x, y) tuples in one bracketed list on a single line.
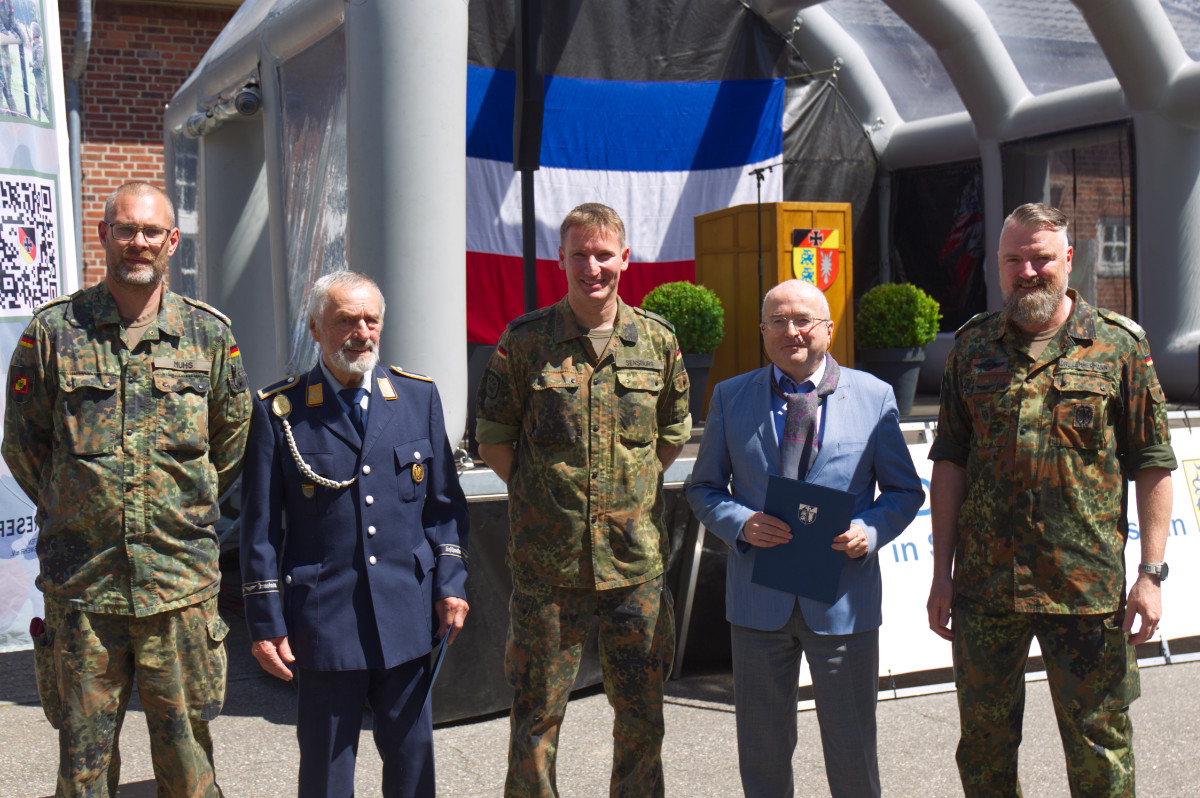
[(1158, 569)]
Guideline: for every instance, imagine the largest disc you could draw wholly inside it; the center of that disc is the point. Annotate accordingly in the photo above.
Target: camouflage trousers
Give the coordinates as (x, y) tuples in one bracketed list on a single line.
[(547, 630), (178, 658), (1092, 674)]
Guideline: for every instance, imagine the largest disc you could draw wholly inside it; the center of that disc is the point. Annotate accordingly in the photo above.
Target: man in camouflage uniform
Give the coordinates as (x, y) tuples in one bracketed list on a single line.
[(594, 396), (126, 419), (12, 35), (1048, 409), (37, 65)]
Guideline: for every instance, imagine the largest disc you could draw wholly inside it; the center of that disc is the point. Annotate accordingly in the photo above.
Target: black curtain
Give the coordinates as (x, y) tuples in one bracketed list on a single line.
[(938, 237)]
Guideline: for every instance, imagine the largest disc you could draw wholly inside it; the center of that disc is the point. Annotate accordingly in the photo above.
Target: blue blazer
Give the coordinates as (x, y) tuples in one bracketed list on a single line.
[(350, 574), (862, 447)]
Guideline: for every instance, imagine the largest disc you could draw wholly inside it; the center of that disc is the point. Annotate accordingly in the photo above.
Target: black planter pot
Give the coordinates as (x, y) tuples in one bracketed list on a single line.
[(898, 367), (697, 368)]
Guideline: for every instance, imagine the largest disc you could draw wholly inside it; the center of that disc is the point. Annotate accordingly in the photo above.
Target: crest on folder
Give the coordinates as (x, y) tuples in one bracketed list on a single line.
[(815, 256)]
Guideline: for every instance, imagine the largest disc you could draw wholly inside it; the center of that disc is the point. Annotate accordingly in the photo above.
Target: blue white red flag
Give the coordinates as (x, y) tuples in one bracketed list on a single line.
[(659, 153)]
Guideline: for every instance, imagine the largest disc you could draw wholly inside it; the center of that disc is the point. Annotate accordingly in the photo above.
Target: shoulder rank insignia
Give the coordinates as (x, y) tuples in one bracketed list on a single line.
[(1124, 322), (978, 318), (649, 314), (410, 375), (56, 301), (274, 388), (205, 306), (541, 312)]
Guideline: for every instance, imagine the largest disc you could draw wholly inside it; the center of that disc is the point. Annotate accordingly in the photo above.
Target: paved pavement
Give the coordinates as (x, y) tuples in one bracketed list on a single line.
[(256, 748)]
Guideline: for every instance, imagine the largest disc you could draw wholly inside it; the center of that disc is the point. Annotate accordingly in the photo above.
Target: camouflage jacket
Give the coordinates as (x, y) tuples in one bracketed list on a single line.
[(1048, 448), (126, 452), (585, 495)]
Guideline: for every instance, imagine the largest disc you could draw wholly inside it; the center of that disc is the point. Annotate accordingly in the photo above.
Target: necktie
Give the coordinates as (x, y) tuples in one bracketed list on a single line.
[(799, 445), (353, 398)]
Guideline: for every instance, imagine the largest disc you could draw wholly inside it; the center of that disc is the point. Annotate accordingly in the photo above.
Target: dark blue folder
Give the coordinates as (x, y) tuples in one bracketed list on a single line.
[(806, 565)]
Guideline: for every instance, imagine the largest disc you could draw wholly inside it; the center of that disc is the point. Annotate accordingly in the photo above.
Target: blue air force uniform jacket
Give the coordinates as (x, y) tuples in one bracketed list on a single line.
[(350, 573)]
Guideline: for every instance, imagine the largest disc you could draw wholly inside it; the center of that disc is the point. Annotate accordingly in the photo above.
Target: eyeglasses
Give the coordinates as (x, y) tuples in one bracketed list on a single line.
[(126, 232), (803, 324)]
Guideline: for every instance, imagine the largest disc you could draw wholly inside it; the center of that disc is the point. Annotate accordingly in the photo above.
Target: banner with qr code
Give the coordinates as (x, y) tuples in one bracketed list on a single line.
[(37, 256), (29, 252)]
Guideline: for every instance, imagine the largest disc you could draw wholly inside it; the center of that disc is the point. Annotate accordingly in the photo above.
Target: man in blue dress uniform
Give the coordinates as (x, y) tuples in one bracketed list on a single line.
[(352, 513)]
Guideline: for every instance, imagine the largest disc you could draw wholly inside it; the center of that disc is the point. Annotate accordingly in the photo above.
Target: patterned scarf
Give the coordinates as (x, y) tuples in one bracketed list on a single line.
[(799, 445)]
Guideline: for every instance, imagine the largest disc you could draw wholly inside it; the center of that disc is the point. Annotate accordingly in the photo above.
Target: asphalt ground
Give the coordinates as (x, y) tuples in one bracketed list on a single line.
[(257, 757)]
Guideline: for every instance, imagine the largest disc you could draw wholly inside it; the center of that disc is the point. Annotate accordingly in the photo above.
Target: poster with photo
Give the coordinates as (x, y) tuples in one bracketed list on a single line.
[(24, 80)]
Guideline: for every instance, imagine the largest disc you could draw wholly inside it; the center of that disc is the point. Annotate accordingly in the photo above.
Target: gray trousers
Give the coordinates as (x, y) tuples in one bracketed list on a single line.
[(766, 677)]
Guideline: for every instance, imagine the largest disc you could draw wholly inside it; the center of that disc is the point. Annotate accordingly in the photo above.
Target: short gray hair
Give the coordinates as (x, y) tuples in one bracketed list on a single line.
[(140, 188), (318, 297)]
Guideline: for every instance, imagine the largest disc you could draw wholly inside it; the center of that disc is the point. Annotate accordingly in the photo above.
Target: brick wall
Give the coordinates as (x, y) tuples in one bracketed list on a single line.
[(139, 57), (1089, 184)]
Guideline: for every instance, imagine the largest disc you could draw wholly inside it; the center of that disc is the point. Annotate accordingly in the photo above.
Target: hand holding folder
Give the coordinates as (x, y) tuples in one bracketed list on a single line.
[(807, 565)]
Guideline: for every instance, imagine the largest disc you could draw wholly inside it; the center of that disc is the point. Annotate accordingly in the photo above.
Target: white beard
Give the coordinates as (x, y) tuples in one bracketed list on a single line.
[(363, 364)]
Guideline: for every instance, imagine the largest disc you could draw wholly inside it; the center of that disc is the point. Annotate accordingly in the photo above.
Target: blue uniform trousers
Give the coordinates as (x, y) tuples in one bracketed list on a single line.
[(330, 719)]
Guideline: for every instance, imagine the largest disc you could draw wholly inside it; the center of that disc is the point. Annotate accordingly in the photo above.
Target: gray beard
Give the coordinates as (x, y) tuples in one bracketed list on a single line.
[(364, 364), (150, 276), (1031, 310), (131, 277)]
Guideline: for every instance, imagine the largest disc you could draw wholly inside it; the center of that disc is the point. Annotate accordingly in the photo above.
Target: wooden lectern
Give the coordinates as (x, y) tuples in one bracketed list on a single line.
[(809, 240)]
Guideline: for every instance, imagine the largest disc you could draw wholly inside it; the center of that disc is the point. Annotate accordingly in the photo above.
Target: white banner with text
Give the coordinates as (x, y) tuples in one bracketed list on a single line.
[(906, 644)]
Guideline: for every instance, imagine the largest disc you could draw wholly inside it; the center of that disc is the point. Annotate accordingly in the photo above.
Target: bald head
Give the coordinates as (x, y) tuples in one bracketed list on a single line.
[(796, 328), (799, 290)]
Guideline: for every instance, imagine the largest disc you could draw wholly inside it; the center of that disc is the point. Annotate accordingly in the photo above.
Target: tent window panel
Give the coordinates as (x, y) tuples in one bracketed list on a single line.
[(938, 237), (312, 87), (1089, 175), (183, 184)]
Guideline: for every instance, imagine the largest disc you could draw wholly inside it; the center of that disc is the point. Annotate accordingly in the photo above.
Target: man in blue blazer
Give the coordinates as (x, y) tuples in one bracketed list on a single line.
[(353, 512), (806, 417)]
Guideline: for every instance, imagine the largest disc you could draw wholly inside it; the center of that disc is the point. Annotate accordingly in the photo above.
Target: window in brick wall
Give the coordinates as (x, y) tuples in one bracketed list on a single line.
[(1089, 174), (1113, 234)]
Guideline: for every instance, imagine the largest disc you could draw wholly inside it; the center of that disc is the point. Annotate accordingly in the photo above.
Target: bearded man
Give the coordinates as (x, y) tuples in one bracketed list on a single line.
[(126, 418), (1049, 408), (353, 545)]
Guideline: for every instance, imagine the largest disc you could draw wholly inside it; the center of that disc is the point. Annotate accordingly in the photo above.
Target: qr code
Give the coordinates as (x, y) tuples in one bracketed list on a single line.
[(29, 273)]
